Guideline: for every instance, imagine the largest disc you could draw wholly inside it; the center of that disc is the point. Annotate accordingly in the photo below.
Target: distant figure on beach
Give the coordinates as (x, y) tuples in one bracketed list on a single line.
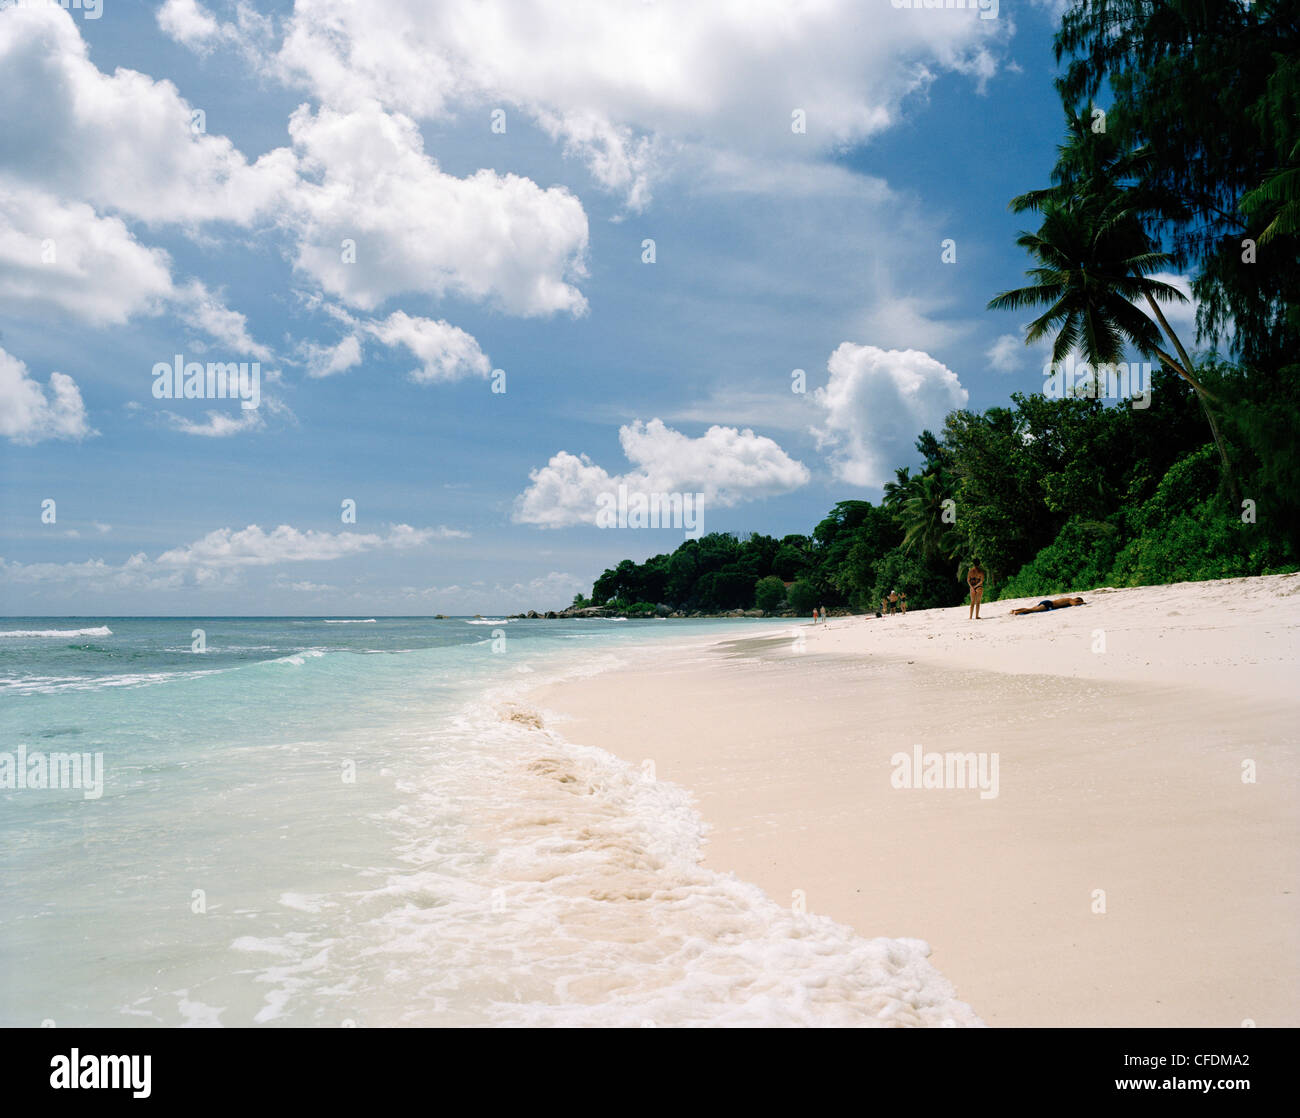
[(884, 607), (975, 580), (902, 602), (823, 615), (893, 600), (814, 615), (1048, 604)]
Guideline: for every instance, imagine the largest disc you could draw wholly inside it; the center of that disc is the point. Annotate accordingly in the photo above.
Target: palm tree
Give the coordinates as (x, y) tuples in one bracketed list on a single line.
[(1095, 265), (923, 519), (896, 491), (1278, 196)]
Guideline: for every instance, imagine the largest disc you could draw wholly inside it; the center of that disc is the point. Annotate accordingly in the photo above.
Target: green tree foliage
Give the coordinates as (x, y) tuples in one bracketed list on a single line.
[(1212, 87), (855, 579), (802, 597), (769, 593), (1264, 423), (1081, 557), (927, 516), (1052, 495), (1095, 261)]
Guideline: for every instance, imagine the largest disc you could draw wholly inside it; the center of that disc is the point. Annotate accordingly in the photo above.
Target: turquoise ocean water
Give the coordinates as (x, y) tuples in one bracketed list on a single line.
[(338, 822)]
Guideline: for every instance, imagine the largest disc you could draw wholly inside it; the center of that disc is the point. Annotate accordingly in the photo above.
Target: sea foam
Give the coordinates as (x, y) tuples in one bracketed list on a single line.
[(98, 631), (547, 883)]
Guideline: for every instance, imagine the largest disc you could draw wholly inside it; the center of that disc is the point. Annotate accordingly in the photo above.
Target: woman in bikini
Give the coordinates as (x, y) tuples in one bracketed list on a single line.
[(975, 580)]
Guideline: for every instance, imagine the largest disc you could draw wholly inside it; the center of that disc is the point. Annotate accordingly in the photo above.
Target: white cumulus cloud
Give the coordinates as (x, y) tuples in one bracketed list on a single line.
[(202, 309), (445, 352), (1007, 354), (64, 255), (630, 86), (30, 413), (414, 228), (215, 424), (82, 151), (216, 559), (190, 24), (725, 464), (876, 402), (122, 141), (325, 361), (252, 546)]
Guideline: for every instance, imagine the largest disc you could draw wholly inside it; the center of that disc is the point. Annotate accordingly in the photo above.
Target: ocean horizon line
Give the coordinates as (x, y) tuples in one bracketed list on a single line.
[(243, 616)]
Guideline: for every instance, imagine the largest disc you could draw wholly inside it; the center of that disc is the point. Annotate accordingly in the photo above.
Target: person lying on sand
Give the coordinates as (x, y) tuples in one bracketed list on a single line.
[(1048, 604)]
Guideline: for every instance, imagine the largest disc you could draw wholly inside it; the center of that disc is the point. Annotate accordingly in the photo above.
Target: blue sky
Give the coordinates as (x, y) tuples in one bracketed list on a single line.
[(130, 234)]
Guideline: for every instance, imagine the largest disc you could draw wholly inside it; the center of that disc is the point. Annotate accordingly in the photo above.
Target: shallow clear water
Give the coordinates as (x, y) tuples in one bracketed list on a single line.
[(313, 823)]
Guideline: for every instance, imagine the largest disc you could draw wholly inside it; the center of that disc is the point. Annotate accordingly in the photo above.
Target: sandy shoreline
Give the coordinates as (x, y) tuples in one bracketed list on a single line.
[(1121, 730)]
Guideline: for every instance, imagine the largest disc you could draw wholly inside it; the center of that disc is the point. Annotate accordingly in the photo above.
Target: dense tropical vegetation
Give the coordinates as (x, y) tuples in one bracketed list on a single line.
[(1192, 166)]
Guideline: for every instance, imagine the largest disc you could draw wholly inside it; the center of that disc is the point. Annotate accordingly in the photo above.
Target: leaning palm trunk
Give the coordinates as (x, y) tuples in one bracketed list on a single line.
[(1185, 371)]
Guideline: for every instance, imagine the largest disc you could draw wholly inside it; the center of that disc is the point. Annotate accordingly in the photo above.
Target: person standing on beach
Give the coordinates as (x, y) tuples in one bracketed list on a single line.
[(823, 615), (893, 600), (975, 580), (902, 602)]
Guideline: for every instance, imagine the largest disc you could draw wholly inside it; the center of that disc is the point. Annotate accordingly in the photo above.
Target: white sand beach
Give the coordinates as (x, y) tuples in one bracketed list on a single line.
[(1138, 863)]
